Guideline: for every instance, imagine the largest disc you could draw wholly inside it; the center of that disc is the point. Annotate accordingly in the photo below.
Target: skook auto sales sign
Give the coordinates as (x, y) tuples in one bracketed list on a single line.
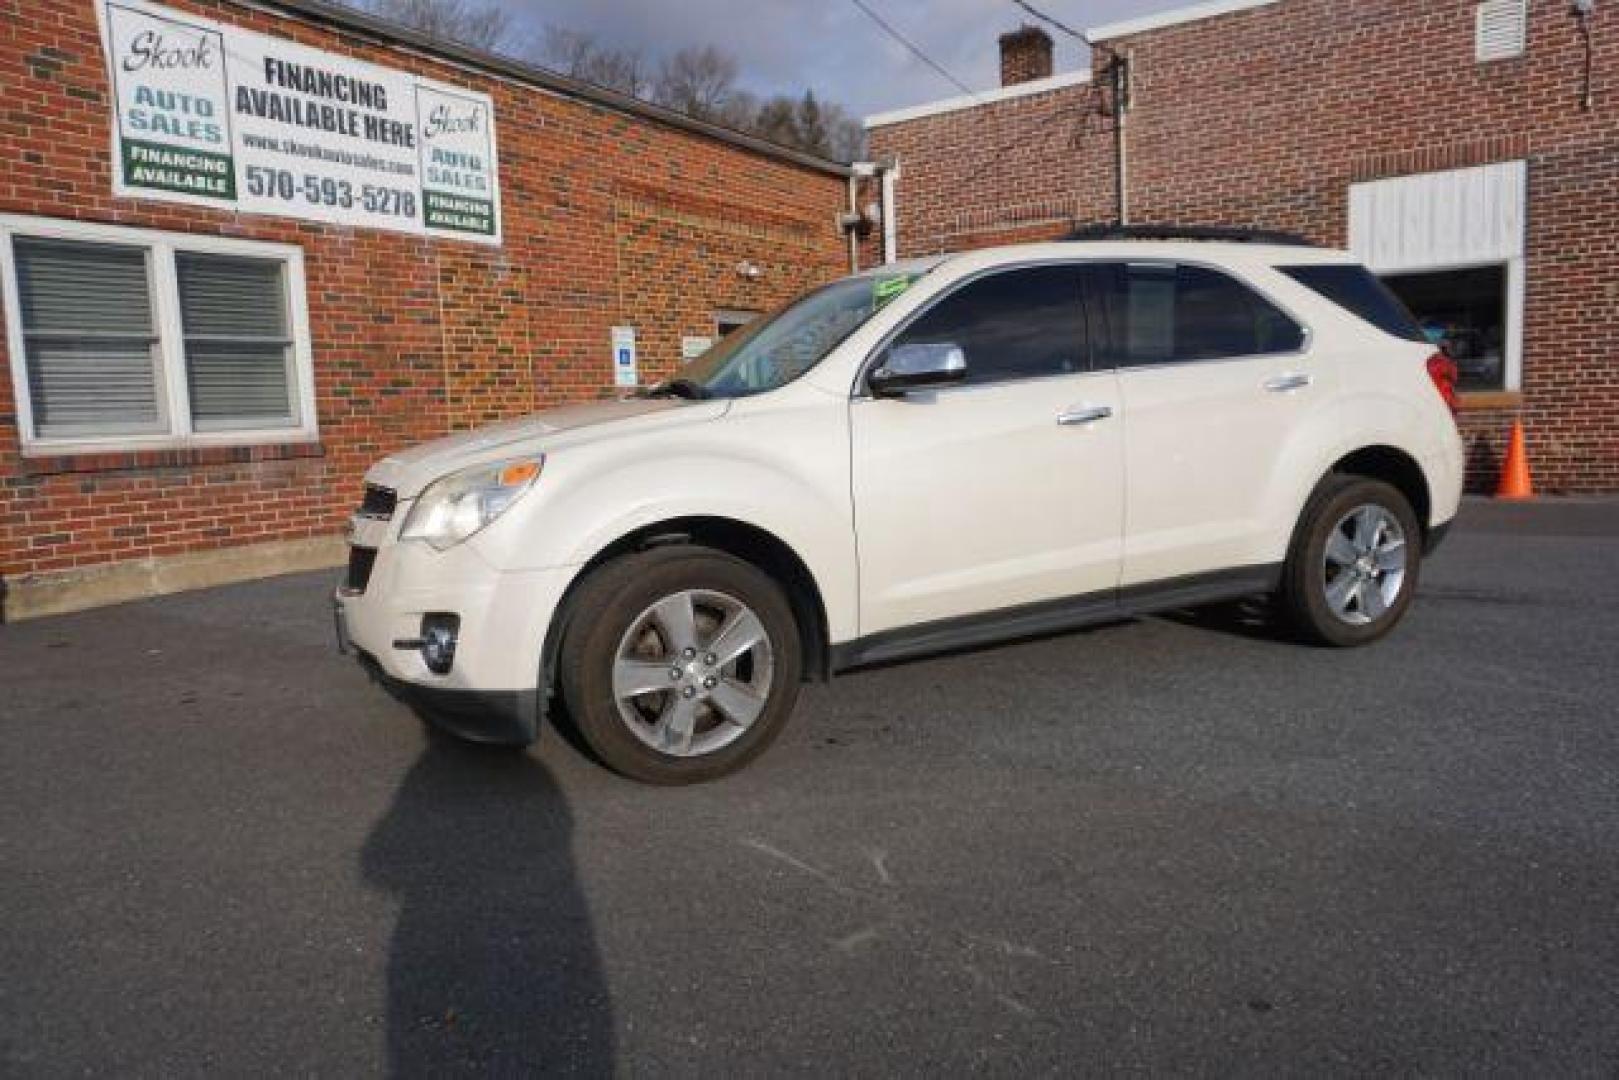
[(212, 115)]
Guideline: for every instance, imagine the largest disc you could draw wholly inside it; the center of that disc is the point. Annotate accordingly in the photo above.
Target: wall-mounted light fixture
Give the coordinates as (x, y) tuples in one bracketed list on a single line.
[(749, 270)]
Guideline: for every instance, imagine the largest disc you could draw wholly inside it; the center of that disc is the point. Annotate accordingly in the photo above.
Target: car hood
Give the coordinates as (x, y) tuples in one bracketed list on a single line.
[(407, 472)]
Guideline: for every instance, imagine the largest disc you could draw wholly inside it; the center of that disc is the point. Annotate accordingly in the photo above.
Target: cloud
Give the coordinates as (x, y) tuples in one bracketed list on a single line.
[(829, 46)]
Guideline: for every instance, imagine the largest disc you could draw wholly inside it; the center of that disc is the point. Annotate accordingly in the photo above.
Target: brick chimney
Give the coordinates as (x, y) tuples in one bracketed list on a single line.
[(1025, 55)]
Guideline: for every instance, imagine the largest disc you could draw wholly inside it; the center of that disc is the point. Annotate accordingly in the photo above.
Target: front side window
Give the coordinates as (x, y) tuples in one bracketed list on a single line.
[(1018, 324), (1161, 313), (103, 367)]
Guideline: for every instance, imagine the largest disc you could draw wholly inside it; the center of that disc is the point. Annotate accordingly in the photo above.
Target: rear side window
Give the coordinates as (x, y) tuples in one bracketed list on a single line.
[(1357, 290), (1019, 324), (1160, 313)]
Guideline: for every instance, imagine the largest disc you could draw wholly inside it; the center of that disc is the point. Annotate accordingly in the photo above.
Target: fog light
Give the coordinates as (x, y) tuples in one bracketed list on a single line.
[(439, 632)]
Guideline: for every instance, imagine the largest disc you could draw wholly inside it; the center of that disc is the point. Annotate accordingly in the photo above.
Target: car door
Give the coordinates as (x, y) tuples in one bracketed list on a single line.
[(1213, 377), (1005, 489)]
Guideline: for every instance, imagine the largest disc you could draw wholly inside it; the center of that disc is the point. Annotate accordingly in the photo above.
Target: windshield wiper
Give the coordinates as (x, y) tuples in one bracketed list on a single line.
[(682, 388)]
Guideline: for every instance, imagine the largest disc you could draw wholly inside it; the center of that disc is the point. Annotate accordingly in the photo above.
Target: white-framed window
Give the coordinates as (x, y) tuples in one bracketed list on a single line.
[(132, 339), (1453, 246), (728, 321), (1501, 29)]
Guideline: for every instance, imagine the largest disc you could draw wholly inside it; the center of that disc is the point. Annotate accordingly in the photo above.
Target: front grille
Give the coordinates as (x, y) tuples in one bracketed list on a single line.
[(361, 562), (379, 502)]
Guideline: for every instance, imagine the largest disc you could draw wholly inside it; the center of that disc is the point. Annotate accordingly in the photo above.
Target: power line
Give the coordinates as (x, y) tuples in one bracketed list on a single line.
[(1043, 17), (918, 53)]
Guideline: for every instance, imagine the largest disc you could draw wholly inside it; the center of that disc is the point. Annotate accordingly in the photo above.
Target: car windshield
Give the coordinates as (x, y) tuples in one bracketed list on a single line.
[(774, 350)]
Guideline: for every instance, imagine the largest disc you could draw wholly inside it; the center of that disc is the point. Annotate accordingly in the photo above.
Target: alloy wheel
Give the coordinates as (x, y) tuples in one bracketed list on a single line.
[(1365, 564), (693, 672)]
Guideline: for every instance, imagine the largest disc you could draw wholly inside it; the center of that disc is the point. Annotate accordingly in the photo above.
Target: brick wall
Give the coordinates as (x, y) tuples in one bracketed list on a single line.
[(1025, 168), (609, 219), (1266, 116)]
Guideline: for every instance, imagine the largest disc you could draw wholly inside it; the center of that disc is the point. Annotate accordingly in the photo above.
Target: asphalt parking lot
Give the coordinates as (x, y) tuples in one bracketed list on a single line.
[(1174, 844)]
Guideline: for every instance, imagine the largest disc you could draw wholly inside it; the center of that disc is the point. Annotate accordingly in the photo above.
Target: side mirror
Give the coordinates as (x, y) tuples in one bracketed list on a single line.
[(918, 367)]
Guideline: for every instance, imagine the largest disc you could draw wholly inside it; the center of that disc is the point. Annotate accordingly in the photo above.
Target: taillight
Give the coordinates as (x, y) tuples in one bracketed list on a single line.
[(1442, 370)]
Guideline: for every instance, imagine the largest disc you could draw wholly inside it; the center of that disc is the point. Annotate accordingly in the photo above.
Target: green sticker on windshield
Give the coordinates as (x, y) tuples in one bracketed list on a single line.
[(885, 289)]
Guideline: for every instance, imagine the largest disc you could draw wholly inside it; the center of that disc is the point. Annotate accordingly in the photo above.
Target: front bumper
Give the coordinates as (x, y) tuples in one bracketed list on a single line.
[(505, 718), (492, 692)]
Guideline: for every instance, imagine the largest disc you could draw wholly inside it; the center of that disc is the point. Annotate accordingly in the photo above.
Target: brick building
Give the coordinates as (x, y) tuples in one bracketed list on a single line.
[(1466, 151), (204, 354)]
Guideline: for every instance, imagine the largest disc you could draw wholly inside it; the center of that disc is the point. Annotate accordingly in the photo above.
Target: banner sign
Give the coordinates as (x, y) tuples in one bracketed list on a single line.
[(209, 114)]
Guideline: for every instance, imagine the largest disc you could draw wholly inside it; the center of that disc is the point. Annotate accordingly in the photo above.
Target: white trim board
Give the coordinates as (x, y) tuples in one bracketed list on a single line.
[(972, 101), (1458, 217), (1173, 17)]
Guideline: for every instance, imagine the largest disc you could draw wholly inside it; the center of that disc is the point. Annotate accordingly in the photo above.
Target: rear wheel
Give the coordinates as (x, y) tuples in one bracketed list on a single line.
[(682, 664), (1353, 567)]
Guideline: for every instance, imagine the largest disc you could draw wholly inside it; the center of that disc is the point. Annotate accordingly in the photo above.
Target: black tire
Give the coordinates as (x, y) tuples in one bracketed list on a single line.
[(611, 601), (1303, 596)]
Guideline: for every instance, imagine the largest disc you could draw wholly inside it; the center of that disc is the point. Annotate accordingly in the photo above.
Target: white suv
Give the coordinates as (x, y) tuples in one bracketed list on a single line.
[(929, 456)]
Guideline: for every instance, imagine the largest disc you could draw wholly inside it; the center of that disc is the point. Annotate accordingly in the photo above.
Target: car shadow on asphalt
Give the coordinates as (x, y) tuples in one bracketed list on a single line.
[(493, 966), (1253, 617)]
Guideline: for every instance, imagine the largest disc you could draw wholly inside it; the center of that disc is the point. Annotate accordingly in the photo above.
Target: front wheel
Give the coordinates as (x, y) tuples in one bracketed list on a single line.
[(681, 664), (1352, 570)]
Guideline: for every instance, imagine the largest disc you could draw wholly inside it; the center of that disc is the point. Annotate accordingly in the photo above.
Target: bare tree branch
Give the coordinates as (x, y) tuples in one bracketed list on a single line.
[(580, 56), (696, 81), (699, 82), (468, 22)]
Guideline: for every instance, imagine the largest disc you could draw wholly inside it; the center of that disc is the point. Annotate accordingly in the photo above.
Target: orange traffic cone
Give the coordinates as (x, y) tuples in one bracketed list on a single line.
[(1515, 482)]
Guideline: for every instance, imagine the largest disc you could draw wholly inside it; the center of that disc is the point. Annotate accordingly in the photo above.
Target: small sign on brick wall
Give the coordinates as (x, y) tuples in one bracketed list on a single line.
[(624, 366), (693, 347)]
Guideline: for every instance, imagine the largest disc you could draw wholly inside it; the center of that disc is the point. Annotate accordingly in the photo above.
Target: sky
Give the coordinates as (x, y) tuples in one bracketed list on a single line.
[(829, 45)]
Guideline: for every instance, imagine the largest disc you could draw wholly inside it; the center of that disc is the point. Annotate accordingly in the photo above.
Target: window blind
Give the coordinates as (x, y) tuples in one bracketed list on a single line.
[(237, 346), (89, 336)]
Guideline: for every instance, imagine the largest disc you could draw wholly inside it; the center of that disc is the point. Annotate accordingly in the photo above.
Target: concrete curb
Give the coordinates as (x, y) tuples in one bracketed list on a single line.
[(31, 596)]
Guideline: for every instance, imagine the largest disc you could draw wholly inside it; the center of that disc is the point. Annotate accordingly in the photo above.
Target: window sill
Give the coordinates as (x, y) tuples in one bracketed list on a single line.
[(1481, 400), (42, 461)]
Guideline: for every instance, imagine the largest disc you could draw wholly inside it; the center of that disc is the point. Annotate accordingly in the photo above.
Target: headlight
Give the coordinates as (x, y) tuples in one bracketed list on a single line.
[(454, 507)]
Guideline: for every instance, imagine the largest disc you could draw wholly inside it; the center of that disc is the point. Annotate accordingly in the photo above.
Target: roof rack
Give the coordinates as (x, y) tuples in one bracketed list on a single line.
[(1223, 233)]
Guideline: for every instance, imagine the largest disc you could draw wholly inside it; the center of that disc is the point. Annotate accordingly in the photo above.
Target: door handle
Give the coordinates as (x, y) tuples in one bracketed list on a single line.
[(1084, 414), (1281, 384)]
